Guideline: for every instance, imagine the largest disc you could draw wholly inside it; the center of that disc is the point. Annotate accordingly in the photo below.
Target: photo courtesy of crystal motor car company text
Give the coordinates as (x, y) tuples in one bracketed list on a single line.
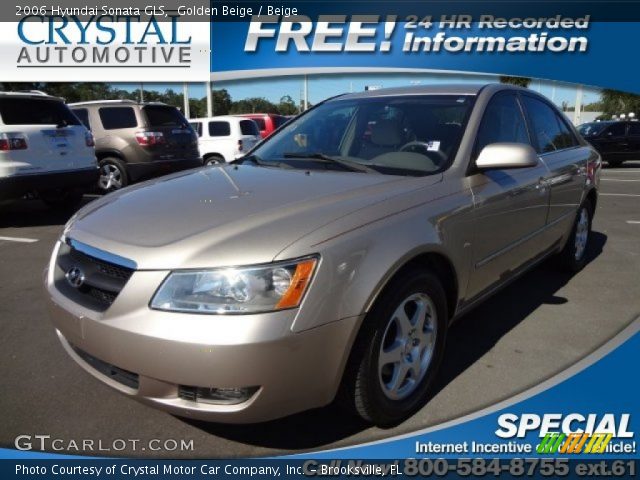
[(267, 230)]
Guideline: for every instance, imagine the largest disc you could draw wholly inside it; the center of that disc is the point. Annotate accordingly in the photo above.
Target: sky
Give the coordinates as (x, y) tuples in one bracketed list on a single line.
[(323, 86)]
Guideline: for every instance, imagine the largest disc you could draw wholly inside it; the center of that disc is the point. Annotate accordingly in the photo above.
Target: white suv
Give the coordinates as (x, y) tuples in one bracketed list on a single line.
[(225, 138), (44, 149)]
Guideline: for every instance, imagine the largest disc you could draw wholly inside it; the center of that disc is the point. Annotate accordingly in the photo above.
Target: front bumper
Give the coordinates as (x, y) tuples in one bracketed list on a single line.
[(165, 350)]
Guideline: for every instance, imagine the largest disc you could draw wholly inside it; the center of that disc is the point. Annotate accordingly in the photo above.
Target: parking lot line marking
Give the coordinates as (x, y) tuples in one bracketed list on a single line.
[(19, 239), (619, 180), (634, 222), (620, 194)]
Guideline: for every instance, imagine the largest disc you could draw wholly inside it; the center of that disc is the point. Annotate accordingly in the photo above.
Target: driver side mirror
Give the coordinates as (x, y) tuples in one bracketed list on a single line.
[(498, 156)]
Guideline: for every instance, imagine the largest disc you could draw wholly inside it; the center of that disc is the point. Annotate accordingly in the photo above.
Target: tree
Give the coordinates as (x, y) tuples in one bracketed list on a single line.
[(221, 102), (287, 105), (520, 81), (615, 102), (253, 105)]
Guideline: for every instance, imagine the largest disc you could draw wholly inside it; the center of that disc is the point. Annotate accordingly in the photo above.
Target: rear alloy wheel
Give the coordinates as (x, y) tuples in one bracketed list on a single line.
[(574, 255), (113, 175), (398, 350)]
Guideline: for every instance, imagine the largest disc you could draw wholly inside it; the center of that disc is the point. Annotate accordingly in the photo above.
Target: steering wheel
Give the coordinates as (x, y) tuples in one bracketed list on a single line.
[(417, 146)]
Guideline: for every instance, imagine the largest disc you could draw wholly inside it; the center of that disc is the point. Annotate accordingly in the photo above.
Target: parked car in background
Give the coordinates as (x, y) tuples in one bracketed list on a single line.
[(44, 149), (267, 122), (224, 138), (616, 141), (136, 141), (327, 262)]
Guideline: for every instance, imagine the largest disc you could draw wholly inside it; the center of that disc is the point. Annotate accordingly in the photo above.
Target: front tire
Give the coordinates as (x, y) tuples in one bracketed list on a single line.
[(398, 350), (573, 257)]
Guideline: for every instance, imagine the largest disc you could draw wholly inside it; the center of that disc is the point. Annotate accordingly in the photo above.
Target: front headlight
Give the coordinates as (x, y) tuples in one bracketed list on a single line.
[(236, 290)]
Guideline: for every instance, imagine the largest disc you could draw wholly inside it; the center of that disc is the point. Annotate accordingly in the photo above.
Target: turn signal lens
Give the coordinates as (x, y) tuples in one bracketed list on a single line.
[(299, 283)]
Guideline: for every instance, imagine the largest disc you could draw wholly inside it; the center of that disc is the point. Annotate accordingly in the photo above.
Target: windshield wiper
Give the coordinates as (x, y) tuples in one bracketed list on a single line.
[(256, 160), (321, 157)]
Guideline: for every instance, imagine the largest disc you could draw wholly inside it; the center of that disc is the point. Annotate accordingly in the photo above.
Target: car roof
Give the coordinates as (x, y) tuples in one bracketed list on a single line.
[(259, 115), (117, 102), (31, 94), (227, 118), (439, 89)]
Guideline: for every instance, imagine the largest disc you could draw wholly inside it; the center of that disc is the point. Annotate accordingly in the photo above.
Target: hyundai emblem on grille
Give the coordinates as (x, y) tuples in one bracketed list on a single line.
[(75, 277)]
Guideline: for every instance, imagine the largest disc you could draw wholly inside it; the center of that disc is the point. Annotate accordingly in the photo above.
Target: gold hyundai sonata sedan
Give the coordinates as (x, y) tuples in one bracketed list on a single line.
[(329, 261)]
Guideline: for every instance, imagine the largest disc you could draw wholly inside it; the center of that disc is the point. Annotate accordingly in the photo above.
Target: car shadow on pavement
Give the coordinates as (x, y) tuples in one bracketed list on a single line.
[(34, 213), (469, 339)]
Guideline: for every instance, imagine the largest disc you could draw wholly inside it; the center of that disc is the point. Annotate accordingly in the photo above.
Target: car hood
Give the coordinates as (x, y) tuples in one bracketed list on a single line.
[(229, 215)]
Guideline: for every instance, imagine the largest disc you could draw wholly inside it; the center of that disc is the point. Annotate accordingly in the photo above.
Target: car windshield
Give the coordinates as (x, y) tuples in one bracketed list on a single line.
[(591, 129), (398, 135)]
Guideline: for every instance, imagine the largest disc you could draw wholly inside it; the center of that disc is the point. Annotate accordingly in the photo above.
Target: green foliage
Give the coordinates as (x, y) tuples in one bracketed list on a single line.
[(520, 81), (615, 102), (223, 104)]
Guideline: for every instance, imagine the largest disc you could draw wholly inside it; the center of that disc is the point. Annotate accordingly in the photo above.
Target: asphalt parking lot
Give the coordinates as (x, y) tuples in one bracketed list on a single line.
[(536, 327)]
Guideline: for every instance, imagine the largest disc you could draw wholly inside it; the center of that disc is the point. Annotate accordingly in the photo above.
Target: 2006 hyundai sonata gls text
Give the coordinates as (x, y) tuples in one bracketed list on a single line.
[(327, 262)]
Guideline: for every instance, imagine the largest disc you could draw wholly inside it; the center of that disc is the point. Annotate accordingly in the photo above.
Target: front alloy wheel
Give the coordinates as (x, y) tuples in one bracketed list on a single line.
[(398, 349), (407, 346)]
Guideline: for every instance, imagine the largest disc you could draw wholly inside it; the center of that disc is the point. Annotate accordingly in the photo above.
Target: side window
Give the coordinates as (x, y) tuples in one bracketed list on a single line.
[(249, 127), (219, 129), (634, 129), (616, 130), (567, 138), (261, 124), (545, 126), (502, 122), (197, 127), (113, 118), (83, 115)]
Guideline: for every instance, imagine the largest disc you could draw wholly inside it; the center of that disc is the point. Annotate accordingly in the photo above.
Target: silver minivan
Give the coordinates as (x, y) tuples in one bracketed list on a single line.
[(328, 262)]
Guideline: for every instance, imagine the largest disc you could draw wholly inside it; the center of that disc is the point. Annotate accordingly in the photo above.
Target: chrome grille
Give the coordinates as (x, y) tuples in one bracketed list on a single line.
[(102, 280)]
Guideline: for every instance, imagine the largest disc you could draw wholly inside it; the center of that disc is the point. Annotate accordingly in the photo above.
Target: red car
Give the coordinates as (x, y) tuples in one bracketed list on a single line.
[(267, 122)]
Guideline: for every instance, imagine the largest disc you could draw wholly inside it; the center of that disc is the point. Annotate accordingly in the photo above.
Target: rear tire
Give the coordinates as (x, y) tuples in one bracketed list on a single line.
[(113, 175), (573, 257), (63, 199), (396, 356), (214, 160)]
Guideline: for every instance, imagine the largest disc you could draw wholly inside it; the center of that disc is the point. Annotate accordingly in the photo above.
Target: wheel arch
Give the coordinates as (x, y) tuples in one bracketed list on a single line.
[(436, 261), (102, 154)]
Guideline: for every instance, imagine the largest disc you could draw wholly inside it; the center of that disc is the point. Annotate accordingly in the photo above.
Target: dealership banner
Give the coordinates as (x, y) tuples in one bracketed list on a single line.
[(575, 421)]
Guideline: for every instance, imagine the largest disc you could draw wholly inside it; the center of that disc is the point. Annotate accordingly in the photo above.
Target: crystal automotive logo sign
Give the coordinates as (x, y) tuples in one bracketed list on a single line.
[(130, 47), (103, 40), (572, 433)]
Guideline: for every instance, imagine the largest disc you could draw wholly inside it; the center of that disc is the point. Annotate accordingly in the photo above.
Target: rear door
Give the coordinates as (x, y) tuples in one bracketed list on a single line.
[(219, 140), (249, 134), (613, 142), (634, 141), (564, 156), (180, 140), (55, 139)]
